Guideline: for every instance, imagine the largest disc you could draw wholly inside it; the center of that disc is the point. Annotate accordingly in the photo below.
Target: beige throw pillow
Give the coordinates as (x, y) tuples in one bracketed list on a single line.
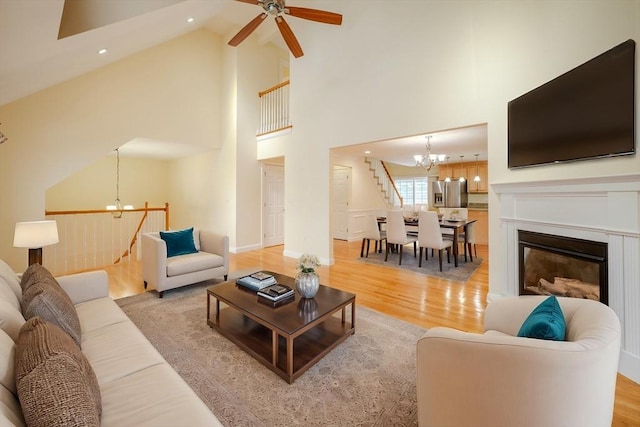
[(56, 385)]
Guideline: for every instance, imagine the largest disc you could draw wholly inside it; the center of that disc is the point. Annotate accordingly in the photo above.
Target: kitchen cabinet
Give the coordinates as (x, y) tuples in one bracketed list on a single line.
[(444, 171), (482, 225), (483, 173), (459, 169), (467, 170)]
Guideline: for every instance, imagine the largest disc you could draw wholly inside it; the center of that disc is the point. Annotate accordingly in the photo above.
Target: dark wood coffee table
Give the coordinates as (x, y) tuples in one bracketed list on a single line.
[(288, 339)]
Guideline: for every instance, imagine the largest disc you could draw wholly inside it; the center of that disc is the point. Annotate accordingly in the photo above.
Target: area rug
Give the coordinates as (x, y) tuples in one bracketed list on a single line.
[(368, 380), (461, 273)]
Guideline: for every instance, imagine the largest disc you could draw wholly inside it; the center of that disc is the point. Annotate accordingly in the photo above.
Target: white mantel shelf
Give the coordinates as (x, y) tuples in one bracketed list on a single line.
[(603, 209)]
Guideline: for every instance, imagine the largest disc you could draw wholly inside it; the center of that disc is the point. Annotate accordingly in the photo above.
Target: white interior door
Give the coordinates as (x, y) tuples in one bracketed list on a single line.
[(273, 207), (341, 199)]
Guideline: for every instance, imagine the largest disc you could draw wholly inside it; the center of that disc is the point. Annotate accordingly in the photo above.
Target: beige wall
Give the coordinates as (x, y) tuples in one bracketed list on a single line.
[(59, 131), (94, 187)]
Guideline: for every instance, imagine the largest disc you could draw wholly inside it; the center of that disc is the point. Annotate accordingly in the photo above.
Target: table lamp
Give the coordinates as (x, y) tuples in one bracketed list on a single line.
[(34, 235)]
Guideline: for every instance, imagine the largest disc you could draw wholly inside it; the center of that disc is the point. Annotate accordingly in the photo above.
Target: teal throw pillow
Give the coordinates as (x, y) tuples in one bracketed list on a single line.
[(545, 322), (179, 242)]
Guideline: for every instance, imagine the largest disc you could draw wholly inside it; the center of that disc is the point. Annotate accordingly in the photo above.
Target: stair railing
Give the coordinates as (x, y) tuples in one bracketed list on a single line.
[(385, 182), (91, 239), (274, 109)]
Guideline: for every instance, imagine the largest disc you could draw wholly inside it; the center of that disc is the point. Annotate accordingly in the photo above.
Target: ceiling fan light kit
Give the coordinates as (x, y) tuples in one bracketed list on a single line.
[(277, 8)]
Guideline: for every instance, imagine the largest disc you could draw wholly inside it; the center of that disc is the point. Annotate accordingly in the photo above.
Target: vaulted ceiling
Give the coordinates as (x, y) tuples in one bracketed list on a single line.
[(46, 42)]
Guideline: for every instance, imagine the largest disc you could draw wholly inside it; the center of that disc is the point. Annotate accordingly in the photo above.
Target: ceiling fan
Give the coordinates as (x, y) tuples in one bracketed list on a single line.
[(278, 8)]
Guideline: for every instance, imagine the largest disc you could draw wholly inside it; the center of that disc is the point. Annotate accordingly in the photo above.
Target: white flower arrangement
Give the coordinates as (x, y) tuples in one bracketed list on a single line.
[(308, 263)]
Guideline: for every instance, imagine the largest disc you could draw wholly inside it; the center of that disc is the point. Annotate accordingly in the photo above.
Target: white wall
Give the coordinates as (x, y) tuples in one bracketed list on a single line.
[(409, 67), (365, 195)]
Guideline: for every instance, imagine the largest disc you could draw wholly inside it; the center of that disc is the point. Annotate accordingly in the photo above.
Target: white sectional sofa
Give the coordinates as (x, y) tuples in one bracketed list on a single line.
[(137, 386)]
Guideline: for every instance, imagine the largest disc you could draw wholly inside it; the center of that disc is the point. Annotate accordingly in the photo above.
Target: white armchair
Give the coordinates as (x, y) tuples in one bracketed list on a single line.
[(162, 273), (498, 379)]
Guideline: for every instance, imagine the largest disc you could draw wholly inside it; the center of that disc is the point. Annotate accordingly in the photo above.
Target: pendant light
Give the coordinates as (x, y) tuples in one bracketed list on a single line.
[(448, 178), (461, 179), (477, 177), (117, 208)]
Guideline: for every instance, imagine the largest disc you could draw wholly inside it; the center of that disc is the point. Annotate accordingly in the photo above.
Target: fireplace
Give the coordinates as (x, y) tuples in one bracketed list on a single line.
[(562, 266)]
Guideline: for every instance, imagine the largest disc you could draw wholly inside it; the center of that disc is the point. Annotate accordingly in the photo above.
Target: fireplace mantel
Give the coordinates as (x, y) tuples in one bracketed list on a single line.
[(602, 209)]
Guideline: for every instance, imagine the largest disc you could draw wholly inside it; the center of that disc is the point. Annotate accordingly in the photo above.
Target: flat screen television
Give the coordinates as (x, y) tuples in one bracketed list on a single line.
[(586, 113)]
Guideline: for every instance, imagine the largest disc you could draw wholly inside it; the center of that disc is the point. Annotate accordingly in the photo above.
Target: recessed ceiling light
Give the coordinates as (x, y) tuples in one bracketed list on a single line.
[(367, 152), (190, 19), (102, 51)]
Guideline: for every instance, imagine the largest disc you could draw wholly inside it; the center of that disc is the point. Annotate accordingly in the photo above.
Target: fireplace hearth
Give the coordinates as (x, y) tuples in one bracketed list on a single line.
[(562, 266)]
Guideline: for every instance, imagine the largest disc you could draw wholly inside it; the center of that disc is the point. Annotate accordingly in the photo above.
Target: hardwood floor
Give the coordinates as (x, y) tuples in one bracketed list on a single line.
[(412, 297)]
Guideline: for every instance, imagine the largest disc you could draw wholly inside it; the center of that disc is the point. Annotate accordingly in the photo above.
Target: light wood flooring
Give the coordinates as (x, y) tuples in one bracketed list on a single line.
[(419, 299)]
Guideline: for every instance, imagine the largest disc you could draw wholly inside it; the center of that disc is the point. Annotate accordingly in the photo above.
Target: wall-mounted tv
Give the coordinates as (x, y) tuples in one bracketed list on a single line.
[(586, 113)]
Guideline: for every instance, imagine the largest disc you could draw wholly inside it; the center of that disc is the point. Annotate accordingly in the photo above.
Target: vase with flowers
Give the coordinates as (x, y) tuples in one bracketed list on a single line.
[(307, 280)]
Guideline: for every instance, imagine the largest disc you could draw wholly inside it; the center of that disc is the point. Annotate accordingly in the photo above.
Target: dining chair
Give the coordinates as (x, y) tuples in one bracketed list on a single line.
[(397, 234), (471, 240), (462, 213), (372, 232), (430, 236)]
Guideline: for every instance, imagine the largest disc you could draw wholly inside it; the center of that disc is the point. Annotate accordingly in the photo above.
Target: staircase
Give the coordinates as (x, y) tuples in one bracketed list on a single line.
[(384, 182)]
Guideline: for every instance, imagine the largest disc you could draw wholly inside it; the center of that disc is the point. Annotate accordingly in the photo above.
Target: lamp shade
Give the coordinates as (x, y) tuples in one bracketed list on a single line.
[(35, 234)]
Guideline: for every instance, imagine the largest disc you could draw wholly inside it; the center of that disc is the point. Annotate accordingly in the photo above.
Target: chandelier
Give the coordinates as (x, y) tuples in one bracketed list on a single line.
[(428, 160)]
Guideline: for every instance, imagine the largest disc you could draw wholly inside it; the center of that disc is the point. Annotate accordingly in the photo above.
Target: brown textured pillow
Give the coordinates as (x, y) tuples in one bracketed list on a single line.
[(37, 273), (51, 304), (55, 382), (43, 296)]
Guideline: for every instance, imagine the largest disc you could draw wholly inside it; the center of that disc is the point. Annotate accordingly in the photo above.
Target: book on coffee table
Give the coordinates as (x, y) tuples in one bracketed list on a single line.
[(278, 303), (257, 281), (276, 292)]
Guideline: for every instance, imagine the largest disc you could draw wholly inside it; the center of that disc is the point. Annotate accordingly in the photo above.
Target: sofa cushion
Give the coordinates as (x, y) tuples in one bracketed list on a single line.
[(10, 411), (166, 398), (179, 242), (193, 262), (196, 238), (7, 294), (11, 319), (546, 322), (55, 382), (7, 352), (10, 276)]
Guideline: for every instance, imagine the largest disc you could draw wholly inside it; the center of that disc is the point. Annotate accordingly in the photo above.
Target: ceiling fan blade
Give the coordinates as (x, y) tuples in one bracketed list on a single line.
[(250, 1), (248, 29), (289, 37), (314, 15)]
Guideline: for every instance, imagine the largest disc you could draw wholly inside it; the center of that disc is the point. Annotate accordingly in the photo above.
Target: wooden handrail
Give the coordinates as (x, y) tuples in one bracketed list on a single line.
[(393, 184), (134, 239), (271, 89), (95, 211)]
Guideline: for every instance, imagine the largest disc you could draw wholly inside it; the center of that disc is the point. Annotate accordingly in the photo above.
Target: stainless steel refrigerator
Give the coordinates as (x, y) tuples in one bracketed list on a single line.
[(451, 194)]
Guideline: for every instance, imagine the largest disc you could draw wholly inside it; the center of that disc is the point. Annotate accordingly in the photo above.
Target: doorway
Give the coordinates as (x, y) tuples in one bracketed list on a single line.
[(273, 207), (341, 199)]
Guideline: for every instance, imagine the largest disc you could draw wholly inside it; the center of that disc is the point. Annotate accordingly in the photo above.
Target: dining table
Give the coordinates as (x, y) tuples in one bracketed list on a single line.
[(457, 225)]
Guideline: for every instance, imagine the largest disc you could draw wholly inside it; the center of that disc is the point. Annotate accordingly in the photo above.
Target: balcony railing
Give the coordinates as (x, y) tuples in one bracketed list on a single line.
[(274, 109), (90, 239)]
